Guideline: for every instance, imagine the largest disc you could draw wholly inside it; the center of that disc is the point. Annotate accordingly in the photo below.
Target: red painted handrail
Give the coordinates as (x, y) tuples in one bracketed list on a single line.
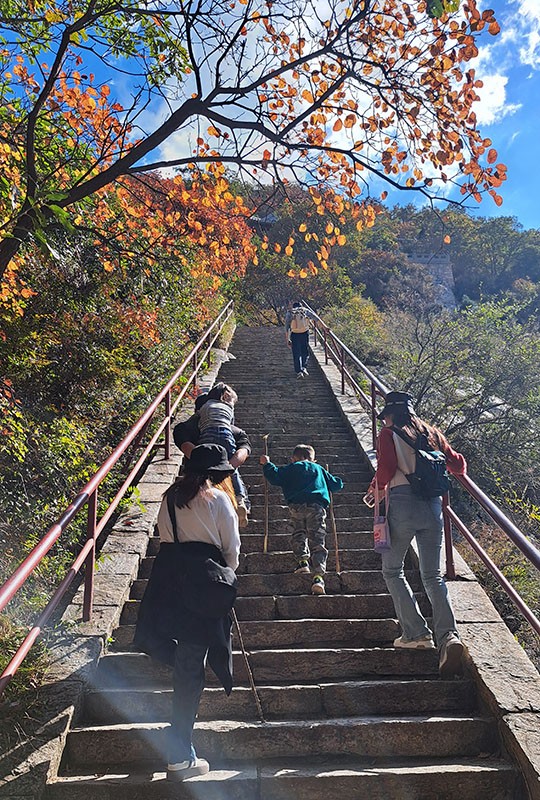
[(88, 497), (338, 352)]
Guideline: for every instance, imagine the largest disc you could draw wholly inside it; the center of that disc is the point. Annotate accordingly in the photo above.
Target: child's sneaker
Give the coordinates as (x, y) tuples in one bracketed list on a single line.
[(317, 587), (305, 372), (303, 566), (299, 375)]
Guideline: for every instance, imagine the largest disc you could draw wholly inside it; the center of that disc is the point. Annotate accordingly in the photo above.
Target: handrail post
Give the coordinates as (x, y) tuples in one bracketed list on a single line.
[(373, 414), (195, 366), (88, 598), (325, 346), (315, 335), (448, 544), (167, 431), (342, 366)]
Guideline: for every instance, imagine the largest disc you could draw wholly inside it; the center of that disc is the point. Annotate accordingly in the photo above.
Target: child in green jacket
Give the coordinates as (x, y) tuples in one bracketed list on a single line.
[(306, 488)]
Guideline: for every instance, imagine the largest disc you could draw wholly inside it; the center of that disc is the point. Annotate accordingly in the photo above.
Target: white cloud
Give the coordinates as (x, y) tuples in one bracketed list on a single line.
[(493, 106), (527, 21)]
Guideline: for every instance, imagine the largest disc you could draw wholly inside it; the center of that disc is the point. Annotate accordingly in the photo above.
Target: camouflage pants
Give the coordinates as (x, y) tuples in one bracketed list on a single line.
[(309, 534)]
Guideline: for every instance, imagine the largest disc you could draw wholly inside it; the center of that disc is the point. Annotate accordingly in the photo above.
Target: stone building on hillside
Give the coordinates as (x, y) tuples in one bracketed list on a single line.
[(440, 268)]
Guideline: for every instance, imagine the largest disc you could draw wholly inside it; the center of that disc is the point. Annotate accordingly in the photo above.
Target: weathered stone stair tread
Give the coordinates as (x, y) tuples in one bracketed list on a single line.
[(434, 736), (284, 666), (306, 779), (359, 582), (301, 607), (297, 701), (306, 633)]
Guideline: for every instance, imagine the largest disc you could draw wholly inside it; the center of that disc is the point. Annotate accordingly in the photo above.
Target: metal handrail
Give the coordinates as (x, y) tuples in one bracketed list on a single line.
[(88, 496), (337, 351)]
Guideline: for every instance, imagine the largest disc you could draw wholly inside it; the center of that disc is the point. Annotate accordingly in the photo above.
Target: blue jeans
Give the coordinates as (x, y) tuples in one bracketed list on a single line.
[(225, 437), (300, 350), (188, 685), (410, 516)]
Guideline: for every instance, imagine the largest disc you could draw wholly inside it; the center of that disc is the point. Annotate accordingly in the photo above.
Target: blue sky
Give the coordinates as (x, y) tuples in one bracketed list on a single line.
[(509, 111)]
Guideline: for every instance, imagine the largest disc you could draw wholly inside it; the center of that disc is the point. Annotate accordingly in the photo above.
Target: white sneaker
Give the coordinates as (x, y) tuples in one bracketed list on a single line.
[(424, 643), (187, 769), (299, 375), (450, 661), (305, 372), (317, 587)]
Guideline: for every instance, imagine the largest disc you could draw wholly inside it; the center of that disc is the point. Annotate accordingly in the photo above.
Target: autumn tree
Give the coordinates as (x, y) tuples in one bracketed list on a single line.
[(331, 97)]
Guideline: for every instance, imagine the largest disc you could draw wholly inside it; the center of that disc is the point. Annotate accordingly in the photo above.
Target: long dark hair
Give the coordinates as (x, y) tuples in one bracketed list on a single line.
[(186, 487), (414, 427)]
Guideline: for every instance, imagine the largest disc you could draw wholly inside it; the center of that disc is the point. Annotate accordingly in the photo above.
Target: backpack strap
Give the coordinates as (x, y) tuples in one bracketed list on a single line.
[(171, 505), (406, 439)]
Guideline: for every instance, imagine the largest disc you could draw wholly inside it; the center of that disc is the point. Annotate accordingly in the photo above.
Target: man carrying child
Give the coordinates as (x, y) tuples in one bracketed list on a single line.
[(306, 488)]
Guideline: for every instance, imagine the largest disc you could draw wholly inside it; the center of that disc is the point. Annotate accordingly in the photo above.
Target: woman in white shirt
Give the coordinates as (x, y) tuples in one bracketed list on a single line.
[(180, 621)]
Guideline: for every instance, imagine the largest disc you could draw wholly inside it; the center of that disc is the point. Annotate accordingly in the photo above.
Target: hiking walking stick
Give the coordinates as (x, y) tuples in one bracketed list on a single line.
[(265, 542), (334, 529), (249, 672)]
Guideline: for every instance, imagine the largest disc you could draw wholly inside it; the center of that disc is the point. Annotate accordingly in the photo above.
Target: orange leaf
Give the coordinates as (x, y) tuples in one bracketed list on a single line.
[(492, 156), (447, 239), (337, 126), (303, 273), (291, 273), (302, 227), (267, 155)]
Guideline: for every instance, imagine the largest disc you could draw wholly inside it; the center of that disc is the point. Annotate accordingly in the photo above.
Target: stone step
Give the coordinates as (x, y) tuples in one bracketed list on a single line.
[(347, 582), (331, 606), (279, 538), (306, 633), (284, 562), (433, 736), (344, 699), (288, 666), (357, 779), (254, 542)]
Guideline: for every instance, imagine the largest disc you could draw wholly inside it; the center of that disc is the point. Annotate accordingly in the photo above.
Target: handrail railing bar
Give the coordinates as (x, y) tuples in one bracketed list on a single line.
[(378, 383), (509, 589), (11, 586), (22, 572), (526, 547), (117, 498), (34, 632), (521, 541), (127, 482)]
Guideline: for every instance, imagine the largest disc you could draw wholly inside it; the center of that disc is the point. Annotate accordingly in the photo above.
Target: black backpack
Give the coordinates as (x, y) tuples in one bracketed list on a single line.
[(430, 476)]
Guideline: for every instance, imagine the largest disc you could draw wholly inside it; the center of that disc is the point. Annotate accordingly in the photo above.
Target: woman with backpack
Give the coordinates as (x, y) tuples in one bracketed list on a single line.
[(184, 615), (297, 336), (411, 515)]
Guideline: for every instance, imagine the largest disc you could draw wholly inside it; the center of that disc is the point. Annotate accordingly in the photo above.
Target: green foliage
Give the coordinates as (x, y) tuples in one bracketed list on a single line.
[(361, 326)]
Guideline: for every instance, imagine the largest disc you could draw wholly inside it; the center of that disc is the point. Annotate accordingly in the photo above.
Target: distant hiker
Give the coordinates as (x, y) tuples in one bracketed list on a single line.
[(297, 336), (411, 515), (184, 614), (213, 422), (306, 488)]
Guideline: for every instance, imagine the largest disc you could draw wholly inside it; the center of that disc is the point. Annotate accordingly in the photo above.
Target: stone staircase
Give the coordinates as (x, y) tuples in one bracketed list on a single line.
[(346, 714)]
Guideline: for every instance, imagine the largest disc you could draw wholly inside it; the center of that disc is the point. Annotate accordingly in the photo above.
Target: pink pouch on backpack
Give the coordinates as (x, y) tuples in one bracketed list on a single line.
[(381, 530)]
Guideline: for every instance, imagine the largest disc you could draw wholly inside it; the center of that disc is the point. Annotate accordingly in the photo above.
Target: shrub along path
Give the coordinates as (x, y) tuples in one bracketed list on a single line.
[(346, 714)]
